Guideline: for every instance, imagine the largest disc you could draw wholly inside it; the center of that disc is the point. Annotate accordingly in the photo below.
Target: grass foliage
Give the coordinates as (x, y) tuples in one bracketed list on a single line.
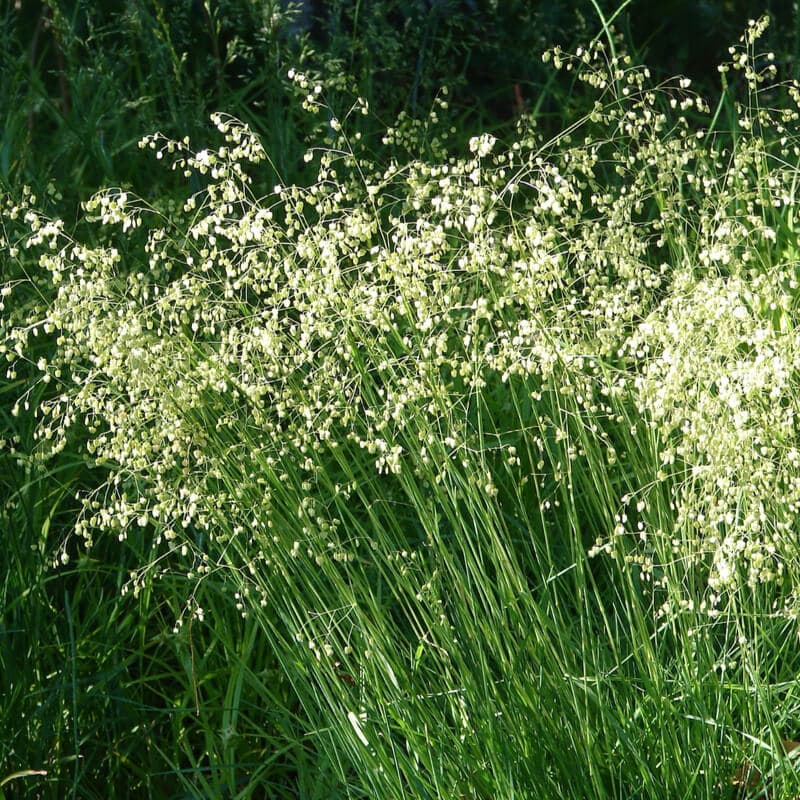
[(452, 467)]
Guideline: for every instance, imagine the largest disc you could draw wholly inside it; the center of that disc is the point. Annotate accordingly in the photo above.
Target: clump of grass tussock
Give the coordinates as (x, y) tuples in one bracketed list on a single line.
[(496, 452)]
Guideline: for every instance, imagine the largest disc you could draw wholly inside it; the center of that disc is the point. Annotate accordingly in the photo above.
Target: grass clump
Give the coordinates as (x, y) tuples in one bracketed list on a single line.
[(485, 461)]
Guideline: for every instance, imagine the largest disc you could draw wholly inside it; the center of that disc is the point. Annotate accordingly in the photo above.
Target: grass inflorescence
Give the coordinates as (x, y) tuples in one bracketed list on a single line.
[(471, 475)]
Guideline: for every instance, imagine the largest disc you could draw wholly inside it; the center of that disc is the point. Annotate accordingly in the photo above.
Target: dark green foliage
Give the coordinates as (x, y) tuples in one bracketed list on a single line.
[(80, 82)]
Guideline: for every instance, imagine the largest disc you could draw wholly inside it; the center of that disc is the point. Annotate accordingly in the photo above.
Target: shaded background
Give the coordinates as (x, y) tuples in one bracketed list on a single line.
[(80, 81)]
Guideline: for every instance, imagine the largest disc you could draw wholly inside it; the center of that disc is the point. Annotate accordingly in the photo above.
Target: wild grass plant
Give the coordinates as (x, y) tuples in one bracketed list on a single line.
[(472, 476)]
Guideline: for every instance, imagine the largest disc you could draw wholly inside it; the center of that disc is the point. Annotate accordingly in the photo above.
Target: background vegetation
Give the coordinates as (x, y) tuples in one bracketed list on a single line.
[(557, 567)]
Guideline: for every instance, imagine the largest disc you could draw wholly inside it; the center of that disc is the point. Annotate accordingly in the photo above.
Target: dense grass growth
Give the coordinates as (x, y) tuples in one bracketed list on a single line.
[(450, 466)]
